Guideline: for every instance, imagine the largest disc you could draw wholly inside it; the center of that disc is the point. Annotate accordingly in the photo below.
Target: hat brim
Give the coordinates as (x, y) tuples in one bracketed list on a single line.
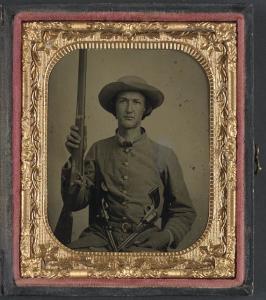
[(107, 95)]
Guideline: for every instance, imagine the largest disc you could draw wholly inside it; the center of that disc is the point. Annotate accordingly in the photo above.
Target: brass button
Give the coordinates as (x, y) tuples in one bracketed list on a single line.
[(127, 150), (125, 177), (124, 218), (124, 203), (125, 163)]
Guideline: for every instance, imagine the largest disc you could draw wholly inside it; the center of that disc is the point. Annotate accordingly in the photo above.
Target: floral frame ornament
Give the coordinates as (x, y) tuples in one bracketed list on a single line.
[(216, 41)]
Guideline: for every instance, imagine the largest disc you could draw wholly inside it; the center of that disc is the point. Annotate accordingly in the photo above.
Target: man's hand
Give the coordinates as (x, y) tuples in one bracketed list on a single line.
[(73, 139), (79, 180), (156, 240)]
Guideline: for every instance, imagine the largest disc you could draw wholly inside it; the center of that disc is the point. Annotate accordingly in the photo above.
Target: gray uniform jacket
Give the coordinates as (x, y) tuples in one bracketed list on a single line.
[(128, 172)]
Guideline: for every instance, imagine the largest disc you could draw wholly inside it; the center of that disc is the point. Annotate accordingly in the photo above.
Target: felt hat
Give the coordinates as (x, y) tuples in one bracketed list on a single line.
[(154, 97)]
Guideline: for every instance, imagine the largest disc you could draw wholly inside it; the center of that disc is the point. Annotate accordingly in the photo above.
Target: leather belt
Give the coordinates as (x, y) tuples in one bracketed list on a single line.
[(125, 227)]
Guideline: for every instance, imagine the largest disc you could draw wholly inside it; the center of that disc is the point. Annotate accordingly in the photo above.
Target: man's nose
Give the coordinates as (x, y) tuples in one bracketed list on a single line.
[(129, 107)]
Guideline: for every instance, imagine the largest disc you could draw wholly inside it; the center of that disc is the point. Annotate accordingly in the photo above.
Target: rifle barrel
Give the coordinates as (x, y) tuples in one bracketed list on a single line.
[(78, 154)]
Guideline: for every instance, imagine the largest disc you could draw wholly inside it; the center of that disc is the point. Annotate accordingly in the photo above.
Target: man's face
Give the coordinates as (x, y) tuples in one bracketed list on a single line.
[(130, 107)]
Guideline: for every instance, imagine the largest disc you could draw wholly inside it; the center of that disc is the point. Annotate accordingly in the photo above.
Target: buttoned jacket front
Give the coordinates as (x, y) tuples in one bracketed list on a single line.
[(127, 173)]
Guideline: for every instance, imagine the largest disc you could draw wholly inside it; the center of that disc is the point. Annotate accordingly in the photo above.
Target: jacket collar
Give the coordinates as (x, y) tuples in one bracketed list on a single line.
[(125, 143)]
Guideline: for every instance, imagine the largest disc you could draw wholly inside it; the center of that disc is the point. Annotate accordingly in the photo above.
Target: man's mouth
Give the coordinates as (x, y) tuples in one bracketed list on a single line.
[(129, 117)]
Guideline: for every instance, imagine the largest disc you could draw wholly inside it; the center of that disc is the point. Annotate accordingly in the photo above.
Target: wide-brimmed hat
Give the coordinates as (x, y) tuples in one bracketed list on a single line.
[(153, 96)]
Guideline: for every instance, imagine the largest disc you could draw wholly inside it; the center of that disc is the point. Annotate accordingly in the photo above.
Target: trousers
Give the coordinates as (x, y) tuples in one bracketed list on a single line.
[(94, 239)]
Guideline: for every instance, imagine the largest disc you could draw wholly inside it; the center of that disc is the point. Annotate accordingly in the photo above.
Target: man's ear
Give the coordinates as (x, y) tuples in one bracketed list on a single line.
[(114, 113), (147, 112)]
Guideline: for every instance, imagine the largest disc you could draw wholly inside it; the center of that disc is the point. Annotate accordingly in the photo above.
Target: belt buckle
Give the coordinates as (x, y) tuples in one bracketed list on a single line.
[(125, 227)]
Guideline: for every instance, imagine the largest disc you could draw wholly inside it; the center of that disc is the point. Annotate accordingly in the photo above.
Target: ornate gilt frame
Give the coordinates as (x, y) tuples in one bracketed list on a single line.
[(215, 255)]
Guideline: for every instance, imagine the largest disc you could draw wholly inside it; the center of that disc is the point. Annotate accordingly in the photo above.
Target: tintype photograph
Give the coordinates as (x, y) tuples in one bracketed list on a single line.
[(142, 176), (130, 140)]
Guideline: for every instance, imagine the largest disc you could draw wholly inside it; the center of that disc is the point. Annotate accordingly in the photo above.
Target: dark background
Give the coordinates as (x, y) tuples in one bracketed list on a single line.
[(259, 7)]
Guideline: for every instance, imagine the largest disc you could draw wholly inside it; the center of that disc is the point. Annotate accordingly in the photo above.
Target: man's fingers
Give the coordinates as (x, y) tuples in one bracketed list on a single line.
[(73, 140), (72, 145), (75, 134), (147, 244), (75, 128), (140, 240)]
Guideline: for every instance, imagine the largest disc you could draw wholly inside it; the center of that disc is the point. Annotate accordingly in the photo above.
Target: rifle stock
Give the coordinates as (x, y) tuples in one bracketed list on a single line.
[(63, 229)]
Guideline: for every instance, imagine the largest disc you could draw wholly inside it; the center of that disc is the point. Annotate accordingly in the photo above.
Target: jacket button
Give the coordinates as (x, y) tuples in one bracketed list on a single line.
[(125, 163), (125, 177), (127, 150)]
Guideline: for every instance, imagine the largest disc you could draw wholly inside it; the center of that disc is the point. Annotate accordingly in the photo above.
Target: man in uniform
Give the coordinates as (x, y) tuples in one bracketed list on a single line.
[(128, 170)]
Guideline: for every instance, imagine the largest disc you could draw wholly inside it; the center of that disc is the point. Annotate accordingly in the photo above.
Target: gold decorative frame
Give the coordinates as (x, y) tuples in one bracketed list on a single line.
[(214, 46)]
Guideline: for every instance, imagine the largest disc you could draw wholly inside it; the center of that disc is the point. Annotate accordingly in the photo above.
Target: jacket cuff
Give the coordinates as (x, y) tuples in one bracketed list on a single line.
[(171, 243)]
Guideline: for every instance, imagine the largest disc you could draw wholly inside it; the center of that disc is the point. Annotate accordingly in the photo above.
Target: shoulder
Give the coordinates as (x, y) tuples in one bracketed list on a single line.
[(104, 142), (162, 150), (167, 160), (101, 146), (164, 156)]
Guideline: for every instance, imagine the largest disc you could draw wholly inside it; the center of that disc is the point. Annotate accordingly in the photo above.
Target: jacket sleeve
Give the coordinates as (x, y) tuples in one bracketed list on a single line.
[(179, 211), (77, 197)]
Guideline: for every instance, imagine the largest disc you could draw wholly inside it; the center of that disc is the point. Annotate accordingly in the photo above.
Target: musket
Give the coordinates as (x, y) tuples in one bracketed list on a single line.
[(78, 154), (63, 230), (148, 219)]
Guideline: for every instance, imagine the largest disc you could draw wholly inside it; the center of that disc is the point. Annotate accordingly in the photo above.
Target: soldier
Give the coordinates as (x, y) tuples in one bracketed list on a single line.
[(125, 170)]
